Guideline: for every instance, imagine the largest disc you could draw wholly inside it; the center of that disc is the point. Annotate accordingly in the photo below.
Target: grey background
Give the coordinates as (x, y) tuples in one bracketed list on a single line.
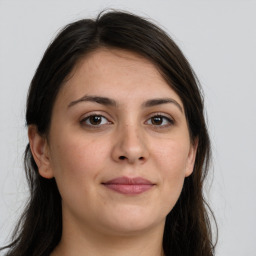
[(219, 40)]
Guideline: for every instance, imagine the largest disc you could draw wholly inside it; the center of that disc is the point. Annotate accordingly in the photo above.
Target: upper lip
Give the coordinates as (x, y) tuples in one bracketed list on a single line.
[(129, 181)]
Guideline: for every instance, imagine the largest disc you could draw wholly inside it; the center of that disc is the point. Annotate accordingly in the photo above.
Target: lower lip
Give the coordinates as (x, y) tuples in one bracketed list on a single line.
[(129, 189)]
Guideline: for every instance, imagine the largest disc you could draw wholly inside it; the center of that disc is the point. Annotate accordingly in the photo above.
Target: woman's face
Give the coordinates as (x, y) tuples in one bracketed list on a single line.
[(118, 146)]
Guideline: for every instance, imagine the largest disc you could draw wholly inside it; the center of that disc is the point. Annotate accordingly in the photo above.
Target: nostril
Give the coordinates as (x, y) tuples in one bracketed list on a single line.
[(124, 157)]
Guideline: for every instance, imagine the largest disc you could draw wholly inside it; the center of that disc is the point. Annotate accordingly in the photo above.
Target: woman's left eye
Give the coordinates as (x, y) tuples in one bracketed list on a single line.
[(95, 120), (159, 120)]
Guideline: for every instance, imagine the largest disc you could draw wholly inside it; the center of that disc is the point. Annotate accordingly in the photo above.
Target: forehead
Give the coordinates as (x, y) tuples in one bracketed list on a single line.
[(116, 73), (112, 62)]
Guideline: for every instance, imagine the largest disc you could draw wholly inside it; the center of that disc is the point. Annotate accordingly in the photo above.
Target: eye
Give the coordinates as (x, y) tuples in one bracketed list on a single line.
[(160, 120), (95, 120)]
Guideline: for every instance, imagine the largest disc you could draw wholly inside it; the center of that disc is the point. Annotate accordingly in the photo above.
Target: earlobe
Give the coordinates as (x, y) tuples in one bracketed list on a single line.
[(39, 149), (191, 158)]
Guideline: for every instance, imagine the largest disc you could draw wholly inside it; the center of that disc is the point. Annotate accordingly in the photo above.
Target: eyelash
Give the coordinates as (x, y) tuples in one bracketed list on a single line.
[(168, 121), (87, 118)]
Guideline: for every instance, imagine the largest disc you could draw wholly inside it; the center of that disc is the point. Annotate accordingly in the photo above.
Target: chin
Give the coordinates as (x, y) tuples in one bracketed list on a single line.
[(132, 222)]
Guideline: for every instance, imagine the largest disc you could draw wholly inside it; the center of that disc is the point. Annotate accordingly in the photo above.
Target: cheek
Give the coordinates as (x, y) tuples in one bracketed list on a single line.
[(77, 165), (76, 152), (171, 160), (172, 157), (77, 161)]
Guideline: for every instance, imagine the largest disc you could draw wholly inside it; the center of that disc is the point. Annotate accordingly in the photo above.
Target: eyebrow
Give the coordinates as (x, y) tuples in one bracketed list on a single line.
[(97, 99), (110, 102), (155, 102)]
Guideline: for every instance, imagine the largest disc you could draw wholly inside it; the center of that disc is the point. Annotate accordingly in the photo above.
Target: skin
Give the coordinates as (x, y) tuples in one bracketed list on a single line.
[(129, 140)]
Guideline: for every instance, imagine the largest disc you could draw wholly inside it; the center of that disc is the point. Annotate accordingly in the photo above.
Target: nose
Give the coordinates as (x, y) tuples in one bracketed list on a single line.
[(130, 146)]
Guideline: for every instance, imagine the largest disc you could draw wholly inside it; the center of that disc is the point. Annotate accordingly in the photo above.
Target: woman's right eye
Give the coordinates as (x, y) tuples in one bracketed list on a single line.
[(95, 121)]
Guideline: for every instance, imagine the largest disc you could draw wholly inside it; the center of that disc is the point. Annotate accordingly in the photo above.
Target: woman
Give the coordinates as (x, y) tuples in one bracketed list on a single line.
[(118, 147)]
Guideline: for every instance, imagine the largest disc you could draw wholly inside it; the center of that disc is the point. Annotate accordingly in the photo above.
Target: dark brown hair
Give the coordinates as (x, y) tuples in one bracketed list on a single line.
[(187, 229)]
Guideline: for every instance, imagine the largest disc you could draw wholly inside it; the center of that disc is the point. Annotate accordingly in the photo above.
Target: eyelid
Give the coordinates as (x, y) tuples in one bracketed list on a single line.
[(169, 118), (95, 113)]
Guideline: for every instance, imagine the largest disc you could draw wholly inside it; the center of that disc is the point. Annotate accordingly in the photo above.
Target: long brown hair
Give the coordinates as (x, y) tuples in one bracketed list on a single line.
[(187, 229)]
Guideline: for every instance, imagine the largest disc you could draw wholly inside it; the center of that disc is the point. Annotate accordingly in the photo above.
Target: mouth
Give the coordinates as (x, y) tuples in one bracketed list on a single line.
[(129, 186)]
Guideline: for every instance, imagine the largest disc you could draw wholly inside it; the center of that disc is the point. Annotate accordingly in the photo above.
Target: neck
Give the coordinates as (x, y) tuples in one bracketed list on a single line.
[(84, 241)]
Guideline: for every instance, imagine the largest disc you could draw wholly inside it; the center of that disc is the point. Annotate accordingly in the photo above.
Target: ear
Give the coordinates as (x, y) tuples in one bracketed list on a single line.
[(191, 157), (40, 151)]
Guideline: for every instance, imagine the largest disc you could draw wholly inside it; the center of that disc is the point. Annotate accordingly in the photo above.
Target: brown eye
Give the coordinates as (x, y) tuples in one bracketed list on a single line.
[(157, 120), (95, 120), (160, 120)]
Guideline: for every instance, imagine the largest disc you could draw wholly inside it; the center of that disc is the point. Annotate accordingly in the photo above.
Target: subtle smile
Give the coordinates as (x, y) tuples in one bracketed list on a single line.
[(129, 186)]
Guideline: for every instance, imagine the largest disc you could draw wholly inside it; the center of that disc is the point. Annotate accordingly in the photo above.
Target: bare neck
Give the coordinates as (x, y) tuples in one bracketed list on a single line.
[(73, 242)]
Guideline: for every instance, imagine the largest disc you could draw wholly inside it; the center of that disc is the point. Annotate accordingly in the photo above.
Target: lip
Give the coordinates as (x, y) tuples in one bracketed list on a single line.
[(129, 186)]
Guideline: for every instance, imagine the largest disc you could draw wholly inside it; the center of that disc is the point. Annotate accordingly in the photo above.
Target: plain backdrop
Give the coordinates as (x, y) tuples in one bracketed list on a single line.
[(219, 40)]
